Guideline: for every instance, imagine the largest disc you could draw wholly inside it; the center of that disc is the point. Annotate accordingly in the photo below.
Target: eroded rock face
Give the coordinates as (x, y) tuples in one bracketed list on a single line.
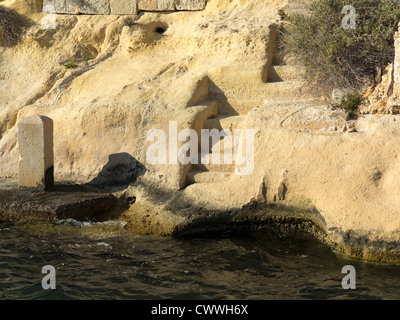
[(143, 73), (120, 7), (383, 97)]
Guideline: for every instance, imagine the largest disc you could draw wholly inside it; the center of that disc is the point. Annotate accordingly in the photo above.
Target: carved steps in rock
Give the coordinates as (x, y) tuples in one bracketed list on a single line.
[(222, 122), (242, 98), (217, 171), (228, 124), (236, 97), (266, 90), (209, 108), (279, 73), (206, 176), (222, 167), (273, 90), (224, 125), (305, 102)]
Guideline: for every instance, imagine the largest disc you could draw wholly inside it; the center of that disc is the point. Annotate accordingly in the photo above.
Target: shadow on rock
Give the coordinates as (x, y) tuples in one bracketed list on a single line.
[(120, 171), (93, 200)]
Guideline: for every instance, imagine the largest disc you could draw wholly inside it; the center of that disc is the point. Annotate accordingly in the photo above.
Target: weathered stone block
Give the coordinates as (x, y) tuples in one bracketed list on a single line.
[(94, 7), (79, 6), (191, 5), (59, 6), (36, 157), (129, 7), (123, 7), (156, 5)]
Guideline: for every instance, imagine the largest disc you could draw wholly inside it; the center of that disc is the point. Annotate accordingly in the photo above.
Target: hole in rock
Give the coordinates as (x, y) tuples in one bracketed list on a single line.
[(160, 30)]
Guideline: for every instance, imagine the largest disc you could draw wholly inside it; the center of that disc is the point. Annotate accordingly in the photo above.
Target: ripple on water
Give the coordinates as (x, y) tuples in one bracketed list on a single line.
[(103, 261)]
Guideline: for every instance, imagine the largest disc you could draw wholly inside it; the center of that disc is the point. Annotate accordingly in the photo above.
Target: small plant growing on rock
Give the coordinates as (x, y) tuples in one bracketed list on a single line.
[(88, 58), (10, 27), (350, 102), (282, 14), (70, 65), (129, 21)]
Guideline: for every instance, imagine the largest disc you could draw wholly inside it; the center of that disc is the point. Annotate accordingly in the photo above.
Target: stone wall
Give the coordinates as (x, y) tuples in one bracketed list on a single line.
[(129, 7)]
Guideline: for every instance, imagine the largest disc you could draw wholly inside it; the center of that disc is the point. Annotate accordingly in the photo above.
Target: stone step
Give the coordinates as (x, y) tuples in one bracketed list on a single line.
[(214, 167), (234, 74), (209, 103), (315, 101), (63, 202), (283, 58), (285, 89), (206, 176), (209, 108), (223, 145), (224, 122), (291, 89), (220, 123), (241, 100), (278, 73)]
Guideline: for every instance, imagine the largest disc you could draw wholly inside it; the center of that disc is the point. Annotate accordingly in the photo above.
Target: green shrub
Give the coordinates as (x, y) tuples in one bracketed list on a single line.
[(282, 14), (350, 102), (338, 58), (10, 27)]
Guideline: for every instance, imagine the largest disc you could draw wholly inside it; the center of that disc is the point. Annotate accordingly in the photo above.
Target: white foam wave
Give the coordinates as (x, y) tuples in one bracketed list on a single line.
[(77, 223)]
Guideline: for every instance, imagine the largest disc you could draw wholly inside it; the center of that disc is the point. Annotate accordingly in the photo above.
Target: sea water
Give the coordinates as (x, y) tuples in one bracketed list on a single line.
[(105, 261)]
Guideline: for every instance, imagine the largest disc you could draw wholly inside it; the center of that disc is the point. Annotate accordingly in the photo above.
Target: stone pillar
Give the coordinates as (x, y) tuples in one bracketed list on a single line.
[(36, 156)]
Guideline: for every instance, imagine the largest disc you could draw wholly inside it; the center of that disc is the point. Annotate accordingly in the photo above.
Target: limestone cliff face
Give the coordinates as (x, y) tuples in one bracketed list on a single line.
[(215, 68), (384, 95), (146, 70)]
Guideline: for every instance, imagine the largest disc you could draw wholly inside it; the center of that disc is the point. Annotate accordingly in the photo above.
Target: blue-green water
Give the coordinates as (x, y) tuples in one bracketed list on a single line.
[(103, 261)]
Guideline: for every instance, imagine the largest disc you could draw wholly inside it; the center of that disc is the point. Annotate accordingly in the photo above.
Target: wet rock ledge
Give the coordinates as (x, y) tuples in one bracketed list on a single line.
[(59, 203)]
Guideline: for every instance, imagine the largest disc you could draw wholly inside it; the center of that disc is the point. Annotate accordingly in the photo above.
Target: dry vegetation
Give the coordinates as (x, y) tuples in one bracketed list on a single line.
[(10, 27), (339, 58)]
